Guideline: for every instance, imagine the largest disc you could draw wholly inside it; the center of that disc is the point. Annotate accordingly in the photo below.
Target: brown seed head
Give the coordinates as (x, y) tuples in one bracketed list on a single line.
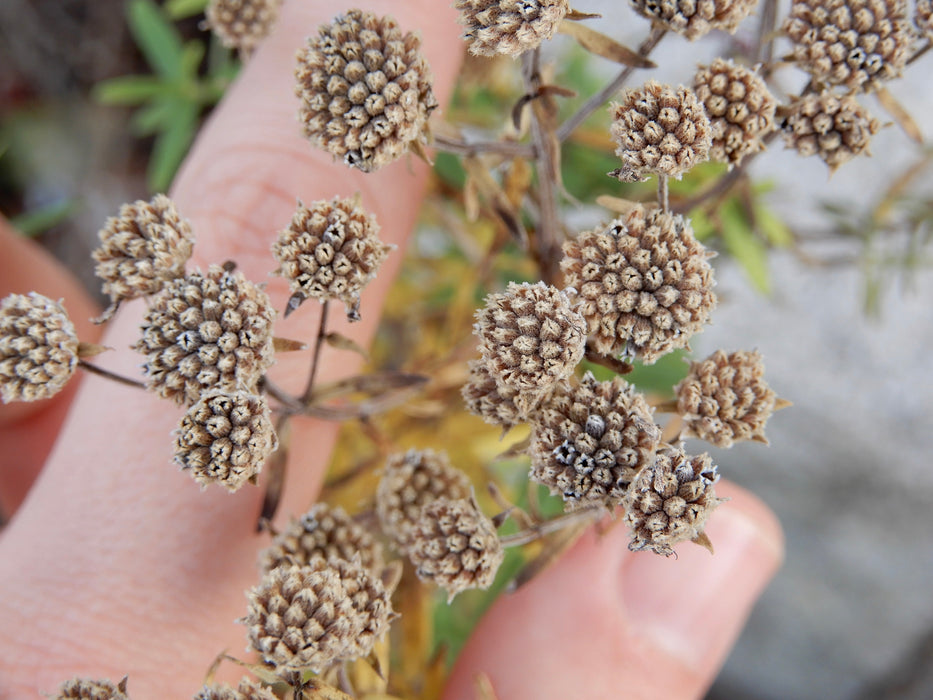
[(455, 546), (365, 90), (857, 44), (410, 481), (590, 440), (485, 398), (724, 399), (670, 501), (247, 690), (207, 331), (242, 24), (834, 128), (371, 602), (509, 27), (531, 338), (324, 532), (225, 438), (923, 18), (659, 129), (142, 248), (38, 347), (644, 282), (86, 689), (694, 18), (331, 250), (740, 109)]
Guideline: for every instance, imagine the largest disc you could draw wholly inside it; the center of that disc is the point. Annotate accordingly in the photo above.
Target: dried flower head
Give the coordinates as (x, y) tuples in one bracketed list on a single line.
[(509, 27), (923, 18), (87, 689), (142, 248), (241, 24), (324, 532), (645, 283), (659, 129), (740, 108), (247, 690), (225, 438), (531, 338), (588, 441), (410, 481), (834, 128), (853, 43), (487, 399), (331, 250), (694, 18), (670, 501), (207, 331), (38, 347), (371, 601), (365, 90), (455, 546)]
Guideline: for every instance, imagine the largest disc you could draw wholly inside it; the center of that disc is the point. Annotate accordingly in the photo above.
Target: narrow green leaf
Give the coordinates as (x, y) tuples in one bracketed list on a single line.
[(156, 37), (182, 9), (37, 221), (191, 57), (130, 90), (742, 245), (171, 146), (153, 117), (773, 228)]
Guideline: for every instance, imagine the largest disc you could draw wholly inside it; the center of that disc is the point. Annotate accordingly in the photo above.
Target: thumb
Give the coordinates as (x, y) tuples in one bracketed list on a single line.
[(607, 623)]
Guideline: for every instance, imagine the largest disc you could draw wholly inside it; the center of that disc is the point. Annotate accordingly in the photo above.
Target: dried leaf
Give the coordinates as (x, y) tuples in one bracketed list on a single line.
[(275, 474), (342, 342), (498, 201), (704, 541), (287, 344), (576, 15), (602, 45), (557, 90), (616, 205), (86, 350), (899, 114), (554, 546), (484, 688), (516, 182)]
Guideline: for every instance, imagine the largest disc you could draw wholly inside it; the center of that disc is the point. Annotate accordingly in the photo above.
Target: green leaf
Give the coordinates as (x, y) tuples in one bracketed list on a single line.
[(744, 246), (182, 9), (153, 117), (130, 89), (191, 57), (772, 228), (156, 37), (171, 146), (37, 221)]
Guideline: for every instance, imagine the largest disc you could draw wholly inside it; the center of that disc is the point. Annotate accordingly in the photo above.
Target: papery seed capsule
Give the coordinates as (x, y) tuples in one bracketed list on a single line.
[(836, 129), (509, 27), (694, 18)]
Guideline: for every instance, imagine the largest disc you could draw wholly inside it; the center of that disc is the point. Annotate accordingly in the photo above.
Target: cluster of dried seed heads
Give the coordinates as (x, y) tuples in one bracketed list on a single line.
[(246, 690), (923, 18), (490, 400), (365, 90), (694, 18), (834, 128), (242, 24), (509, 27), (88, 689)]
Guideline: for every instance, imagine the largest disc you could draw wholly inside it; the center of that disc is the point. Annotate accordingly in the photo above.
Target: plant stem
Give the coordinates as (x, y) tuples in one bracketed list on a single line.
[(663, 194), (615, 364), (511, 149), (107, 374), (597, 100), (316, 357), (920, 52), (766, 27), (548, 526)]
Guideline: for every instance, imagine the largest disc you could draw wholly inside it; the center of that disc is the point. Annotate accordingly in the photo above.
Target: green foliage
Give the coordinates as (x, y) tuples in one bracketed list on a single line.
[(39, 220)]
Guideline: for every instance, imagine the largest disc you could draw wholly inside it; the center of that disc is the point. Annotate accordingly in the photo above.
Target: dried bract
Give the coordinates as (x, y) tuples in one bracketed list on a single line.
[(207, 331), (834, 128), (225, 438), (86, 689), (410, 481), (455, 546), (365, 90), (331, 250), (724, 399), (509, 27), (242, 24), (740, 108), (644, 281), (489, 400), (659, 129), (670, 501), (694, 18), (853, 43), (324, 532), (588, 441), (246, 690), (38, 347)]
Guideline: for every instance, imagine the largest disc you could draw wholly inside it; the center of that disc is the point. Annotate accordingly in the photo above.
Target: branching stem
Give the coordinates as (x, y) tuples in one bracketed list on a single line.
[(316, 358), (511, 149), (548, 526), (107, 374)]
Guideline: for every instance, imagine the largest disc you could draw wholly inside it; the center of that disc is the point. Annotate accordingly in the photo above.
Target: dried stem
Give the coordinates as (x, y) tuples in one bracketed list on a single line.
[(548, 526), (766, 27), (107, 374), (615, 364), (511, 149), (599, 99), (920, 52), (663, 194), (316, 358)]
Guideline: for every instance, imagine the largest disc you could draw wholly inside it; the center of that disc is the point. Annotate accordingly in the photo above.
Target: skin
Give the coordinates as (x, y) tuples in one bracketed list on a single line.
[(115, 563)]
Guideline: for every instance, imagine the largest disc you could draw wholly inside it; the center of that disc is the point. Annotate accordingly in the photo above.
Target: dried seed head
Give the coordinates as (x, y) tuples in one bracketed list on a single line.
[(531, 339), (86, 689), (853, 43), (142, 248), (923, 18), (724, 399), (242, 24), (307, 617), (225, 438), (670, 501), (410, 481), (659, 129), (247, 690), (485, 398), (455, 546), (834, 128), (331, 250), (589, 441), (694, 18), (509, 27), (645, 283), (38, 347), (365, 90), (207, 331), (740, 109), (324, 532)]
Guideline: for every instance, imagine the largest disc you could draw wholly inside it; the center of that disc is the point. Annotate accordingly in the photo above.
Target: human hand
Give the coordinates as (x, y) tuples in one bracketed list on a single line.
[(117, 565)]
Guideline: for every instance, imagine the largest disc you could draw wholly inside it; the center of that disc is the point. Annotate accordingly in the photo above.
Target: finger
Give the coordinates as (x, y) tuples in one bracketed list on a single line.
[(608, 623), (139, 573), (27, 430)]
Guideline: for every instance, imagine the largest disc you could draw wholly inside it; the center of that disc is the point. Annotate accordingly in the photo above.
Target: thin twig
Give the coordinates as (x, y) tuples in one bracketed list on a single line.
[(107, 374), (316, 358), (615, 364), (548, 526), (663, 197), (920, 52), (766, 27), (512, 149), (597, 100)]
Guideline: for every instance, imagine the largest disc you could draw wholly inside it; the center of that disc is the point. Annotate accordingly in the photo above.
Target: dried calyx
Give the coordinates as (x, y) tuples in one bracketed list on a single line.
[(242, 24), (836, 129), (694, 18), (88, 689), (509, 27)]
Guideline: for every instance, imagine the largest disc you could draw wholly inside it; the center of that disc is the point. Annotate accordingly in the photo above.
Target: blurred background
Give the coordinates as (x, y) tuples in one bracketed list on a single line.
[(832, 285)]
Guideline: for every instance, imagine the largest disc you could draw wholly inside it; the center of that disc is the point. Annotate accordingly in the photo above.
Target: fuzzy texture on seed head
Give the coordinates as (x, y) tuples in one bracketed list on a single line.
[(242, 24), (694, 18), (509, 27), (489, 400), (86, 689), (836, 129)]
